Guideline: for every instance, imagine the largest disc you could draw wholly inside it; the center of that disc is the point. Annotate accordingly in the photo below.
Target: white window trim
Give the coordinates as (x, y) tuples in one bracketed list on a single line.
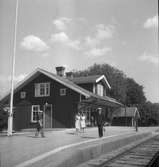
[(94, 88), (63, 93), (100, 90), (104, 78), (80, 98), (33, 121), (37, 92)]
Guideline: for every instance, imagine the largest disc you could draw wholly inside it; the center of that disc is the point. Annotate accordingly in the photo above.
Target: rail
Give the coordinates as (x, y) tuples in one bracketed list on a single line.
[(145, 154)]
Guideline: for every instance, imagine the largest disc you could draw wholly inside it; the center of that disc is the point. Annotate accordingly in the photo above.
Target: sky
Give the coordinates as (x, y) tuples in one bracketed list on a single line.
[(76, 34)]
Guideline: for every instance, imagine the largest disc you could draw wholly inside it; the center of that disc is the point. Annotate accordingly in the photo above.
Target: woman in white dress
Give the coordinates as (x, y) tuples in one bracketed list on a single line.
[(83, 122), (78, 123)]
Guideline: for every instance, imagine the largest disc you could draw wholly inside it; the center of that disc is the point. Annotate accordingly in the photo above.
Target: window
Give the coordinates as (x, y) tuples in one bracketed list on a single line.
[(22, 95), (42, 89), (34, 112), (62, 92), (100, 90)]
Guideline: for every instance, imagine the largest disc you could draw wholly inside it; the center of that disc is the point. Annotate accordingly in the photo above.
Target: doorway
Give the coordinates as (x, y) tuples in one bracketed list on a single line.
[(48, 116)]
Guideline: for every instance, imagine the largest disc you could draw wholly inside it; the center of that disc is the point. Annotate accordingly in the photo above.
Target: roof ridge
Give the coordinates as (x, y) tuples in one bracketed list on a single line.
[(74, 84), (88, 76), (68, 83)]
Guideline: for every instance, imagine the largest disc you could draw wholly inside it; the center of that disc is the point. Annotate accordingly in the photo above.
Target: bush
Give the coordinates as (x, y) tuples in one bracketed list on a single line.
[(3, 119)]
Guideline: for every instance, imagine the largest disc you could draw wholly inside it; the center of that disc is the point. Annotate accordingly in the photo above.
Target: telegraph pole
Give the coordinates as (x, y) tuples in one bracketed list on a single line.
[(10, 118)]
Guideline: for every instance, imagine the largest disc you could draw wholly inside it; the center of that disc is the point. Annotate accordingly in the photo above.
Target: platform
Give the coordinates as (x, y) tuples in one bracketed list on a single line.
[(61, 147)]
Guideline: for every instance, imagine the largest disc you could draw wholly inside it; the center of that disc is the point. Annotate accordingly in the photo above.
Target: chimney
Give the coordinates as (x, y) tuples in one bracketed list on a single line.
[(69, 75), (60, 71)]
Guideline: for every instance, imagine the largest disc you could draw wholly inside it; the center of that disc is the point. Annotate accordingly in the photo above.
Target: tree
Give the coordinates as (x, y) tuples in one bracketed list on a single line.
[(134, 93), (115, 77), (126, 90), (149, 113), (3, 118)]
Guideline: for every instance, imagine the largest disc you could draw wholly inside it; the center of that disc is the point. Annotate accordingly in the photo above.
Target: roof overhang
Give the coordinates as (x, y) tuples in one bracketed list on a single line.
[(35, 74), (101, 102), (75, 87), (127, 112), (22, 83), (90, 97), (104, 79)]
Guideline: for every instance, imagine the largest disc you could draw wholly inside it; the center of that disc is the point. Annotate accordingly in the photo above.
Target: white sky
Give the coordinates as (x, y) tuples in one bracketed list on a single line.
[(77, 34)]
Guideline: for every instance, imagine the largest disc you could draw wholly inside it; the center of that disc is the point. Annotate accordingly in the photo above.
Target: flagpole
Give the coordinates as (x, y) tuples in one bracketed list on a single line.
[(10, 118)]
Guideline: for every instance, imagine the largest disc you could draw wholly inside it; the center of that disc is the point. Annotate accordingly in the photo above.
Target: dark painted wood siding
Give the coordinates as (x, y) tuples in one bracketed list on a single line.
[(87, 86), (64, 107)]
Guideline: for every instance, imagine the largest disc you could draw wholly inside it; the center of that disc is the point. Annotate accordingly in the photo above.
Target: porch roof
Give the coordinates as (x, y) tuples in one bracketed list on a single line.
[(126, 112), (102, 101)]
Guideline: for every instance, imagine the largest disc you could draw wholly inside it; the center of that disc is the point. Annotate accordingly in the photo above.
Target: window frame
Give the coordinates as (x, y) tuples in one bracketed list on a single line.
[(32, 111), (63, 92), (38, 89), (100, 90)]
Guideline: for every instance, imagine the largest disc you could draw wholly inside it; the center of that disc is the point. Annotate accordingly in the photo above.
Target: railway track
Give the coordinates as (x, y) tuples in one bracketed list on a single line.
[(145, 154)]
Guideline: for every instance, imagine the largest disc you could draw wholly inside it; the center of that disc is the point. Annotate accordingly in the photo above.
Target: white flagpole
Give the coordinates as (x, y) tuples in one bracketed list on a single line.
[(10, 118)]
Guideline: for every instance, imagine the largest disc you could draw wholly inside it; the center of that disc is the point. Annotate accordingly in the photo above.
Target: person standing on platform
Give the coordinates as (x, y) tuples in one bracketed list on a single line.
[(83, 122), (136, 119), (92, 121), (78, 123), (100, 122), (39, 125)]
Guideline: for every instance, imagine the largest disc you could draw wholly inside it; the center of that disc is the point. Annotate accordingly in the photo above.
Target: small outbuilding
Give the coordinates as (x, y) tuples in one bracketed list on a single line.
[(125, 116)]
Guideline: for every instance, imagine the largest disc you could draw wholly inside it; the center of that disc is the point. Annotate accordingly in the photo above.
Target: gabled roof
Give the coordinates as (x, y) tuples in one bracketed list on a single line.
[(85, 79), (90, 79), (61, 80)]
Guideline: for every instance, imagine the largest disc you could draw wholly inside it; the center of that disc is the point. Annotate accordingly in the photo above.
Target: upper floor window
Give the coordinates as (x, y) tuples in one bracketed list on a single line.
[(42, 89), (22, 95), (63, 92), (100, 90)]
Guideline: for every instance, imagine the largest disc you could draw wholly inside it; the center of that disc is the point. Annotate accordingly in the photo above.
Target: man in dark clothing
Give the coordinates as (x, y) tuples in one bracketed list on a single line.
[(100, 122), (136, 118)]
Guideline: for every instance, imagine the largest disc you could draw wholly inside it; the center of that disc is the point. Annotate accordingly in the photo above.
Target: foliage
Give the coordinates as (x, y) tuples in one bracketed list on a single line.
[(134, 93), (149, 113), (3, 118), (115, 77), (126, 90), (123, 89)]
